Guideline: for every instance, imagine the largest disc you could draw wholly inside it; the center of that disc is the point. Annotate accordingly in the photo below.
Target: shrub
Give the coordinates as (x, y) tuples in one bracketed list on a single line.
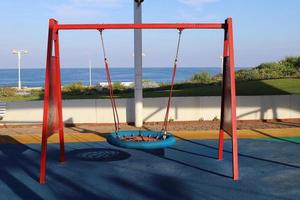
[(118, 86), (297, 74), (291, 61), (164, 84), (97, 88), (150, 84), (74, 89), (282, 69), (36, 92), (215, 119), (201, 119), (7, 92), (203, 77), (275, 70), (171, 120), (247, 74)]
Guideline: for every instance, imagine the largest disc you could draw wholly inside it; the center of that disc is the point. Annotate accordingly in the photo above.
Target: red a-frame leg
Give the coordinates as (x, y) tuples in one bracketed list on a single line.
[(52, 116), (228, 103)]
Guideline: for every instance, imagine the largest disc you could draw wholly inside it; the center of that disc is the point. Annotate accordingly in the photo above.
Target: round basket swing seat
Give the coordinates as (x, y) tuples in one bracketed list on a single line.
[(137, 139)]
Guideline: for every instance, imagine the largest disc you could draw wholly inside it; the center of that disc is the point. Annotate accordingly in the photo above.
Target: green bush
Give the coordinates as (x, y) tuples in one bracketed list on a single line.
[(297, 74), (36, 92), (275, 70), (245, 74), (97, 88), (150, 84), (291, 61), (216, 118), (80, 89), (118, 86), (203, 77), (74, 89), (7, 92), (288, 67)]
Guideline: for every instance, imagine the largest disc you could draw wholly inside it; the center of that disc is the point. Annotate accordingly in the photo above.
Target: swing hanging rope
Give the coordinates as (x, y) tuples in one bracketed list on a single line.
[(165, 124), (110, 87)]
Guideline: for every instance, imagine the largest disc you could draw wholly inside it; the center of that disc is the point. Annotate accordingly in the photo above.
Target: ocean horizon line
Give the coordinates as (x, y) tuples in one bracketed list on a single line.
[(34, 77)]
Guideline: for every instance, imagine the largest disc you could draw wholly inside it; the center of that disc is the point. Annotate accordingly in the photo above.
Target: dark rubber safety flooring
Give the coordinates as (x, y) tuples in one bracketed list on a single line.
[(269, 169)]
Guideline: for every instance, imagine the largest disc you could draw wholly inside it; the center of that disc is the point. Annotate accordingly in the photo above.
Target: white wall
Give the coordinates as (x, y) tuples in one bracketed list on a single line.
[(183, 109)]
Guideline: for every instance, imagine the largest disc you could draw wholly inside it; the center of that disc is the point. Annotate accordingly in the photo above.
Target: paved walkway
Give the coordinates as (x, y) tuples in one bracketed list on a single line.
[(269, 167), (188, 170)]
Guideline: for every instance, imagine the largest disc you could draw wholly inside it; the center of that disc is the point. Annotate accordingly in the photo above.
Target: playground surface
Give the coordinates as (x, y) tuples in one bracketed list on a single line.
[(269, 168)]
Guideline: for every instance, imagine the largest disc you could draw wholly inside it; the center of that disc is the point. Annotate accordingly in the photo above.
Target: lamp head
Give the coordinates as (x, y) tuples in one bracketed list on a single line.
[(139, 2), (15, 51)]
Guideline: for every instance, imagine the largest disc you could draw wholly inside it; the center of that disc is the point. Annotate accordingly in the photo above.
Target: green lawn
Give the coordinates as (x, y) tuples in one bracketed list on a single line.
[(244, 88), (269, 87)]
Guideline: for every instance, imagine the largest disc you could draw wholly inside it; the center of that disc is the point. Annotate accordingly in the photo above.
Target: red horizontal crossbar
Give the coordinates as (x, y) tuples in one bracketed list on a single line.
[(141, 26)]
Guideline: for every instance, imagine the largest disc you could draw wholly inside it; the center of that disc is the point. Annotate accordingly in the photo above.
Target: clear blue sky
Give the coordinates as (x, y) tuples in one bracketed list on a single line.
[(265, 30)]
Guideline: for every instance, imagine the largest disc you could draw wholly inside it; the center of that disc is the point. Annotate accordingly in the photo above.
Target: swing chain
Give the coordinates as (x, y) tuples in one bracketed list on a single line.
[(165, 125), (178, 44), (102, 41), (111, 93)]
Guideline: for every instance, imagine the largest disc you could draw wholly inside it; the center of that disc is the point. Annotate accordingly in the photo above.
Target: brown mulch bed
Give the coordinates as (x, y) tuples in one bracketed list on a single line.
[(173, 126)]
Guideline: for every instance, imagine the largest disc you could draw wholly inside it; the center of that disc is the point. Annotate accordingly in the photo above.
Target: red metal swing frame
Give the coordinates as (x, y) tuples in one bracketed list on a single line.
[(52, 116)]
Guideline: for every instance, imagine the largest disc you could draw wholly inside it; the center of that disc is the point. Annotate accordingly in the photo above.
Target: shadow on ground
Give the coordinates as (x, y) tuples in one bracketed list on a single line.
[(98, 154), (188, 170)]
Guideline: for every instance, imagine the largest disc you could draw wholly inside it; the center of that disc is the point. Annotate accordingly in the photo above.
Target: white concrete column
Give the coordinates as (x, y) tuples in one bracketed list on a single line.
[(138, 62)]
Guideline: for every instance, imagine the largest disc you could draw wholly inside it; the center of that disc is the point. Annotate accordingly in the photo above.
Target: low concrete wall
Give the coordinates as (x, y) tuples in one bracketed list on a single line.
[(183, 109)]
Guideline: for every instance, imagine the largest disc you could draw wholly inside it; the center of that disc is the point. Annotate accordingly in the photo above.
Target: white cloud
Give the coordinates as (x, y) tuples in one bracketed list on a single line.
[(196, 3)]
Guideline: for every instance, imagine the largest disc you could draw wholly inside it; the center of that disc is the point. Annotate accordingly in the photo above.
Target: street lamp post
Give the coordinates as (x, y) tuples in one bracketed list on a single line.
[(222, 60), (19, 53)]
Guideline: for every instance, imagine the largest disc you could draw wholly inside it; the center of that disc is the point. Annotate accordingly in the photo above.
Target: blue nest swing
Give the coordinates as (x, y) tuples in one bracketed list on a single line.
[(160, 142), (139, 139)]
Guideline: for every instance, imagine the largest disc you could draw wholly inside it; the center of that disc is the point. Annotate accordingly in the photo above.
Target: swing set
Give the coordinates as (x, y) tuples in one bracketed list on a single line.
[(52, 116), (140, 139)]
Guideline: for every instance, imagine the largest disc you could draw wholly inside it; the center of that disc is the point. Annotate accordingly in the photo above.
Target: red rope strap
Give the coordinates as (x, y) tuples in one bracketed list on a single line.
[(110, 87), (165, 125)]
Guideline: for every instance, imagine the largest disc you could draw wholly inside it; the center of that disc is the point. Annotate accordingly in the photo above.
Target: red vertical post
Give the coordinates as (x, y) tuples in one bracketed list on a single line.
[(235, 169), (228, 103), (59, 99), (221, 144), (225, 67), (46, 103), (52, 116)]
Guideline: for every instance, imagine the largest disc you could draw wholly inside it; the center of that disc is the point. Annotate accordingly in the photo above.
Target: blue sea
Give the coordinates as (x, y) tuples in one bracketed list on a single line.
[(35, 77)]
